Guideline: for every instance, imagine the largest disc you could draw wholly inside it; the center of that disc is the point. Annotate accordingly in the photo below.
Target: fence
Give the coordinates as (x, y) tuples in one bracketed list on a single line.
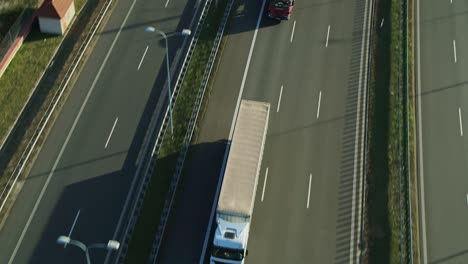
[(15, 31), (13, 39)]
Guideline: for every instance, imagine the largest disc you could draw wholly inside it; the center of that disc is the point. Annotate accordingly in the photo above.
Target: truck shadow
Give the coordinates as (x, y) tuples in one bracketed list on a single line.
[(195, 195), (89, 209)]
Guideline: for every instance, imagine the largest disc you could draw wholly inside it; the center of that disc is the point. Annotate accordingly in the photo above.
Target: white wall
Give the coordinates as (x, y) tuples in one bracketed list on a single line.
[(50, 25), (67, 19)]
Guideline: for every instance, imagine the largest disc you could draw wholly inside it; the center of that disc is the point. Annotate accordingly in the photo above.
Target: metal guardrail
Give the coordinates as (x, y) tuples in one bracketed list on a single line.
[(188, 136), (15, 31), (17, 28), (50, 109), (149, 168), (362, 244)]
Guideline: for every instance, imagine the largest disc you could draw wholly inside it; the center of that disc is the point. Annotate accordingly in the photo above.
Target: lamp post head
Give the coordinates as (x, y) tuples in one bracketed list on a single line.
[(113, 245), (63, 240), (186, 32), (150, 29)]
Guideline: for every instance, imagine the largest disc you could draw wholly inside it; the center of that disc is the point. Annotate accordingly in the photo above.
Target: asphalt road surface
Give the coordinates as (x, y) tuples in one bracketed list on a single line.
[(82, 177), (312, 70), (442, 80)]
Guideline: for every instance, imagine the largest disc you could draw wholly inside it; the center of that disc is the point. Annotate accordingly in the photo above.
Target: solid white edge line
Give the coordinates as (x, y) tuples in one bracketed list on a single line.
[(454, 51), (460, 119), (359, 151), (264, 183), (318, 106), (143, 57), (292, 33), (364, 117), (308, 192), (279, 99), (36, 205), (73, 226), (218, 187), (328, 35), (420, 140), (112, 131)]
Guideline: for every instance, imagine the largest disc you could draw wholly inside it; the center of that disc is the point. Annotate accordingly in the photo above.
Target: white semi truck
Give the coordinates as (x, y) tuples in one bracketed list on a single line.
[(237, 196)]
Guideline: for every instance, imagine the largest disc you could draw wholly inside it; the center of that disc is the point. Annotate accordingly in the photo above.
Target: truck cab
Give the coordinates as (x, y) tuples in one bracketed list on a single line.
[(280, 9), (230, 242)]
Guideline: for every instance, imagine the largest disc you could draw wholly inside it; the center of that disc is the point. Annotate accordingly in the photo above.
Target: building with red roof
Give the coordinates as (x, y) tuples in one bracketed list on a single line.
[(55, 16)]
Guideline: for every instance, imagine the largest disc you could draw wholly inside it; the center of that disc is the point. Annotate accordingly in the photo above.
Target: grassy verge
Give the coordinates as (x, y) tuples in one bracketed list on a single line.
[(24, 71), (148, 221), (378, 138), (387, 136)]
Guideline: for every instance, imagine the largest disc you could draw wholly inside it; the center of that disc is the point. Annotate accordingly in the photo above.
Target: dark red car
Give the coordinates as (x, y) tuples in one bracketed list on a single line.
[(280, 9)]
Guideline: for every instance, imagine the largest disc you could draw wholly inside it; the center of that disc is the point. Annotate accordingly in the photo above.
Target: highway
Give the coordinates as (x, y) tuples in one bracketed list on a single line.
[(442, 80), (312, 70), (85, 171)]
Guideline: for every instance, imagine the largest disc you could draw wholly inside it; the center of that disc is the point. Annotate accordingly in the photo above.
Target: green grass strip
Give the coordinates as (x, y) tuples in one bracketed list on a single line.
[(148, 221), (387, 134), (24, 71)]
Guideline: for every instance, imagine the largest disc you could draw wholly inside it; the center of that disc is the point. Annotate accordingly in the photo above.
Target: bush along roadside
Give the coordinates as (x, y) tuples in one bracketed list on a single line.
[(388, 194), (139, 247)]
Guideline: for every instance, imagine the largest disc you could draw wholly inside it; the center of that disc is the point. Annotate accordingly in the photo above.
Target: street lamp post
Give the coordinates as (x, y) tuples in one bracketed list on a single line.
[(65, 240), (185, 32)]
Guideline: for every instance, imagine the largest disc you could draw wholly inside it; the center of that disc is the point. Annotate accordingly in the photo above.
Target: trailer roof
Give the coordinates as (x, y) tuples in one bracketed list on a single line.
[(244, 160)]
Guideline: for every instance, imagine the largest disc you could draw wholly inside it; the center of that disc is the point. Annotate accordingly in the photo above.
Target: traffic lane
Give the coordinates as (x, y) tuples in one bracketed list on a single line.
[(95, 195), (438, 64), (266, 84), (307, 67), (443, 60), (136, 74), (89, 144), (37, 185), (299, 134), (198, 184), (31, 188), (93, 147), (446, 184), (306, 215), (344, 107), (440, 11), (284, 205)]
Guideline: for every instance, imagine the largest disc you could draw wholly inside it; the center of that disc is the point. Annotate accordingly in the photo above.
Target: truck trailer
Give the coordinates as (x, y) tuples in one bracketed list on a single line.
[(237, 196)]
